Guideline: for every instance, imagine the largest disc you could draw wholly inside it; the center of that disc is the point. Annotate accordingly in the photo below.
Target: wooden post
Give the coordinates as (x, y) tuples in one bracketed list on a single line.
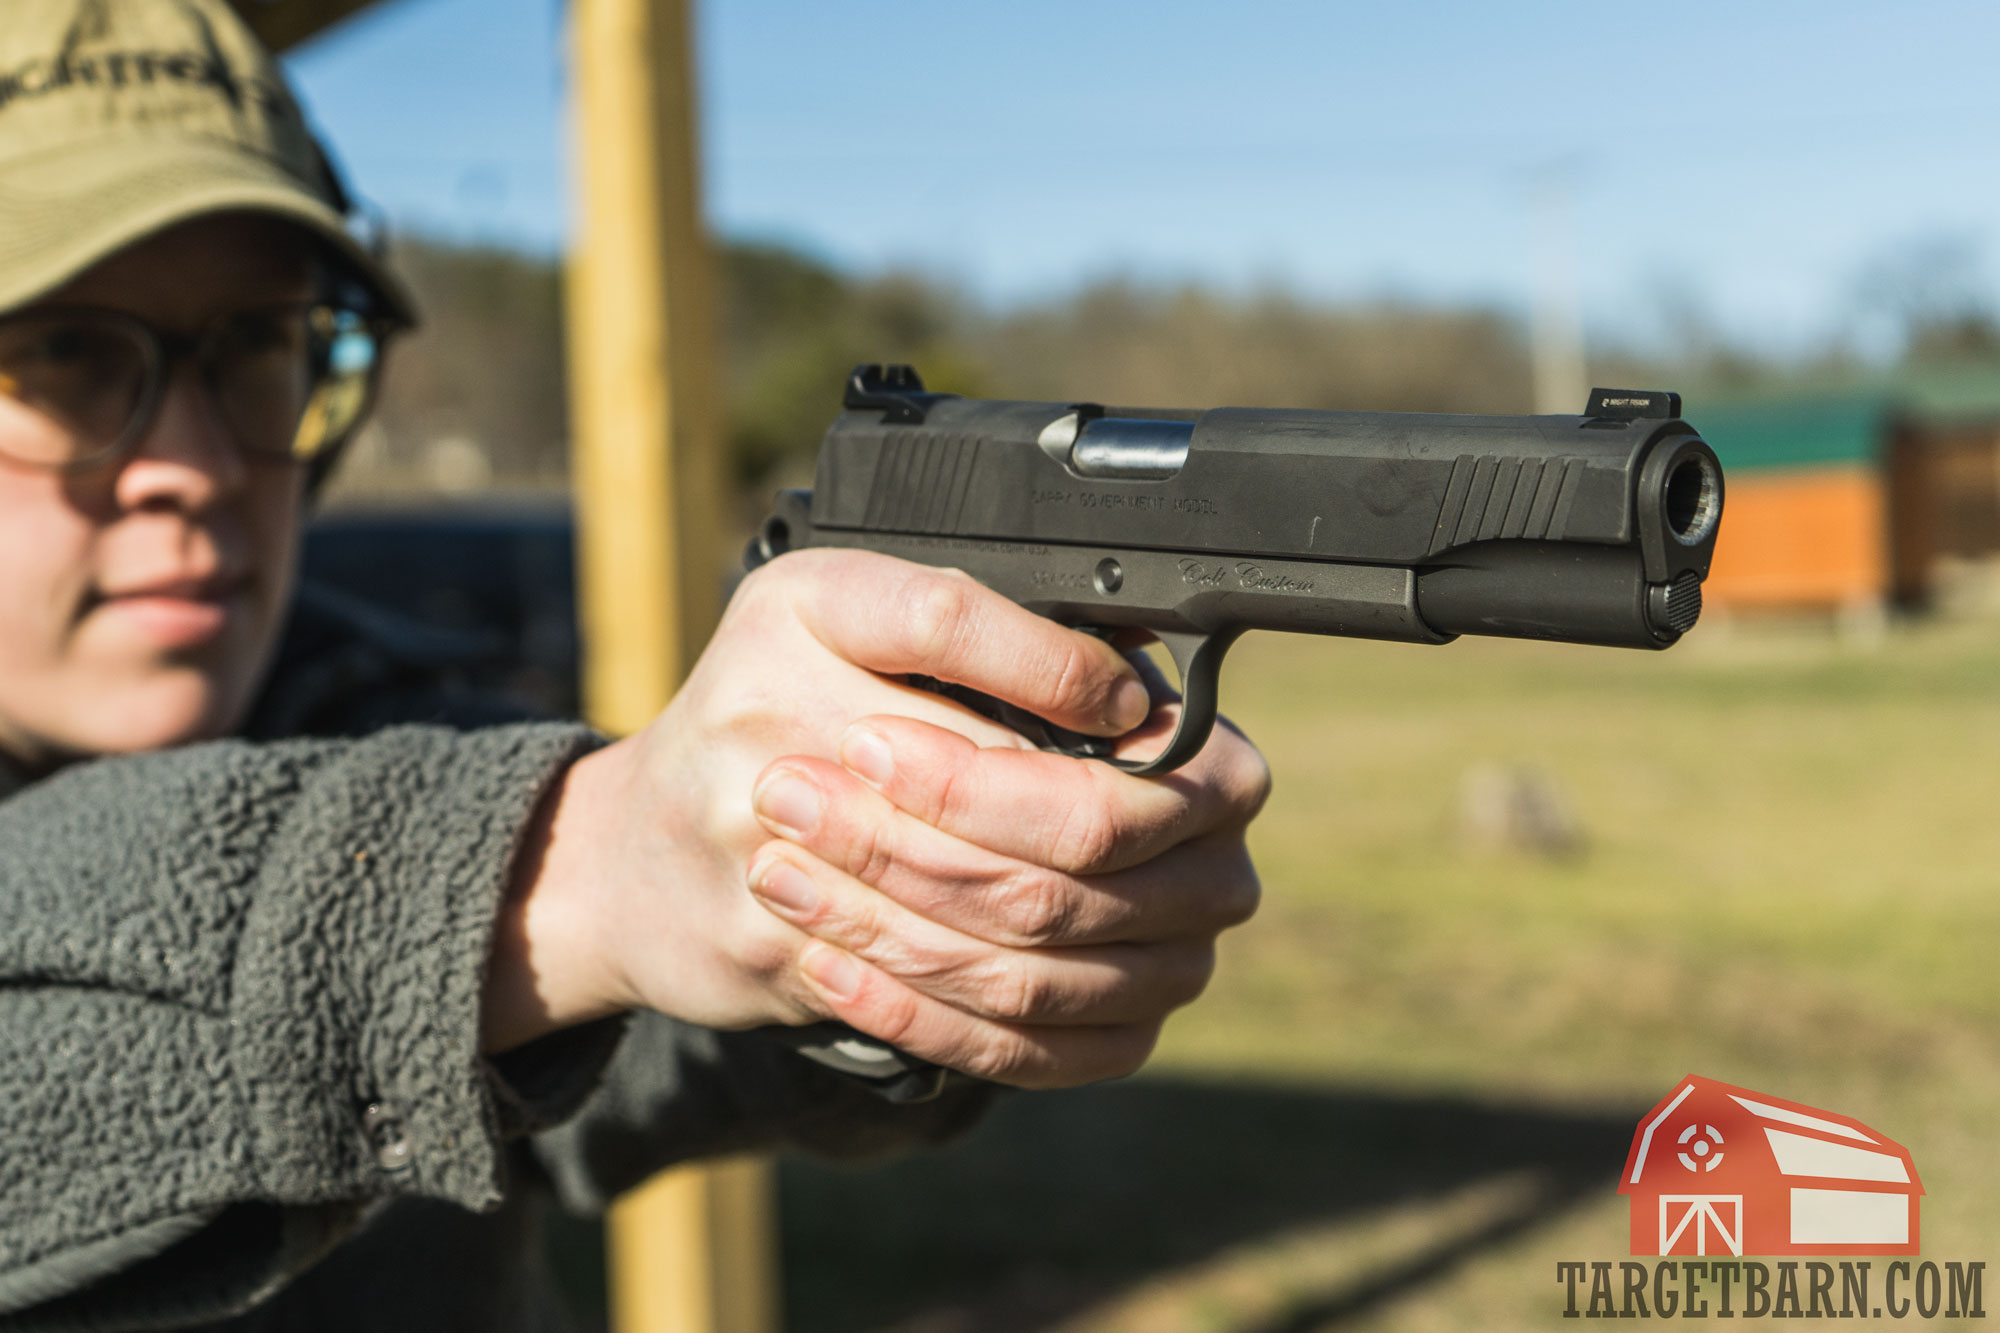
[(642, 380), (691, 1251)]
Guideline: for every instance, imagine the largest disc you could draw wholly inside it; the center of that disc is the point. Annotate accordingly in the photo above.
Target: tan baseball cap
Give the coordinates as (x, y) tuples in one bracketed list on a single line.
[(119, 118)]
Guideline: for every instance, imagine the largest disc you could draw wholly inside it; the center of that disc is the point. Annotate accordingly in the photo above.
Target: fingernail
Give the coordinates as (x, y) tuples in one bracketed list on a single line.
[(866, 752), (789, 803), (786, 887), (1129, 703), (831, 970)]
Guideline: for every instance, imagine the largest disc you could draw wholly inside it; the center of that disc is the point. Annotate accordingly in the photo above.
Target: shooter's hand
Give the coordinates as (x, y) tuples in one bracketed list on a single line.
[(1024, 916)]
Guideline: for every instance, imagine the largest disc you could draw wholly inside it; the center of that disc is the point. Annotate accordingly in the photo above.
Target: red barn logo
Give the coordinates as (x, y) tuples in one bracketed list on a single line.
[(1717, 1170)]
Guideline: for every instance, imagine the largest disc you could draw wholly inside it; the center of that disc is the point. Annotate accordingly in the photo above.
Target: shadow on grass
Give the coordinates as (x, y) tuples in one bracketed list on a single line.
[(1063, 1200)]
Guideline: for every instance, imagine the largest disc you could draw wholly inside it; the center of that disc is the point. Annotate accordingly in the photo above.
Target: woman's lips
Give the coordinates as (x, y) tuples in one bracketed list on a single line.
[(172, 615)]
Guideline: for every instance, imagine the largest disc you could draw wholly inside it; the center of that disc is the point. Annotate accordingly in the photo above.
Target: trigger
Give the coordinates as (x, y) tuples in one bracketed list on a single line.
[(1199, 658), (1075, 743)]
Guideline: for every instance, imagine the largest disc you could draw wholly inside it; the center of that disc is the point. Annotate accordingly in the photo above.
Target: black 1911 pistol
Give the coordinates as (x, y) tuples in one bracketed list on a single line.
[(1198, 526)]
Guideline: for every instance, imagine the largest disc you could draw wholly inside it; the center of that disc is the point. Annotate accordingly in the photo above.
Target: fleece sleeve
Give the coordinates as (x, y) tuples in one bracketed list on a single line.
[(239, 1004)]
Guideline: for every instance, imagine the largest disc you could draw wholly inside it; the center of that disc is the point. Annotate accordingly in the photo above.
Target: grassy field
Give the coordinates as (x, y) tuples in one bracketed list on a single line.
[(1410, 1088)]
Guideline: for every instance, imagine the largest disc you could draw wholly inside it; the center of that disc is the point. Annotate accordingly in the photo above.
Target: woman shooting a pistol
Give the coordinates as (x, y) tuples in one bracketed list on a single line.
[(317, 981)]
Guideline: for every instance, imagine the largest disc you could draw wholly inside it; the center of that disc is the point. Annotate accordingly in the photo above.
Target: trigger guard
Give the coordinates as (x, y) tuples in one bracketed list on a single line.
[(1199, 658)]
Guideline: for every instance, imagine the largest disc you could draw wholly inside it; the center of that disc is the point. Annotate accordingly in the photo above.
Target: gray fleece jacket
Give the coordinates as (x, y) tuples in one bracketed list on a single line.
[(239, 989)]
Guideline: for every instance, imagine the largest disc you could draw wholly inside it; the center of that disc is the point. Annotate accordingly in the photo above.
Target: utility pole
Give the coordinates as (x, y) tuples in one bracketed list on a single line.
[(1556, 335)]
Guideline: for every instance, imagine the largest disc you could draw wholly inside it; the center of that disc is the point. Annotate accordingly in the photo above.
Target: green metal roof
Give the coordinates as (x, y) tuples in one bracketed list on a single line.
[(1841, 423), (1805, 431), (1951, 394)]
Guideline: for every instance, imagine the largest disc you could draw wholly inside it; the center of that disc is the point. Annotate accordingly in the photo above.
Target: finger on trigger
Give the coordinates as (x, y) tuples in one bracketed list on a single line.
[(898, 618)]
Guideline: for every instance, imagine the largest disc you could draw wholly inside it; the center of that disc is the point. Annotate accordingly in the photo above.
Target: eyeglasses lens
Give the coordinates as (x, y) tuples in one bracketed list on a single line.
[(293, 382), (344, 351), (70, 384), (261, 370)]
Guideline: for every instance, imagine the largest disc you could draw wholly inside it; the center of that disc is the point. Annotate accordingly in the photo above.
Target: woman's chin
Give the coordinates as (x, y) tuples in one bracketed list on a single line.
[(172, 707)]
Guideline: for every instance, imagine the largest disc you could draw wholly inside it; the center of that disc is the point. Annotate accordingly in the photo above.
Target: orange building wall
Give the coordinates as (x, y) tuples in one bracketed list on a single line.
[(1801, 537)]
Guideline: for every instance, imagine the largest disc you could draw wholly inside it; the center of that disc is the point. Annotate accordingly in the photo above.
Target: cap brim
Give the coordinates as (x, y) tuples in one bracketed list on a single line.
[(64, 212)]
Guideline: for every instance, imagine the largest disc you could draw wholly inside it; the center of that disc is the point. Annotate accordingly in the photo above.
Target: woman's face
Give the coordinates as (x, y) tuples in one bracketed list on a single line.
[(140, 600)]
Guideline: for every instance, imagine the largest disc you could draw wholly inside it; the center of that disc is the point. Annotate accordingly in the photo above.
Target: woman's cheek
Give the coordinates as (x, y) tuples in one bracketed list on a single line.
[(45, 549)]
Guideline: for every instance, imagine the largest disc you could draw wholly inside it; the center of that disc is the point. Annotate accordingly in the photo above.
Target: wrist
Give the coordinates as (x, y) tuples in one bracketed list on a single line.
[(548, 968)]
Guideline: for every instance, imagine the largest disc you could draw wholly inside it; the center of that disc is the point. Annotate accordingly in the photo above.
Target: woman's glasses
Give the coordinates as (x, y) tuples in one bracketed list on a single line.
[(289, 381)]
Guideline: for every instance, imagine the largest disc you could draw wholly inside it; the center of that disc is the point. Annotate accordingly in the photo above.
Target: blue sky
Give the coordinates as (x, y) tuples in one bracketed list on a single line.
[(1745, 160)]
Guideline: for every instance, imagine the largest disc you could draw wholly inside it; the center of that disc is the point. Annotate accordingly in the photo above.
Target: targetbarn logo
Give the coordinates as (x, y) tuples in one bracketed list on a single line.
[(1717, 1174), (1719, 1170)]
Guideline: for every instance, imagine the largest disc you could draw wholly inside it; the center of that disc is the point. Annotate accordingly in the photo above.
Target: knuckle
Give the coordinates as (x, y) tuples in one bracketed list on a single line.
[(861, 930), (1020, 993), (894, 1018), (949, 793), (765, 580), (1038, 907), (1003, 1057), (1074, 681), (1088, 837), (872, 852), (1191, 975), (933, 614), (928, 969), (750, 588), (1245, 780), (782, 580), (1255, 786), (1231, 895), (873, 929), (1242, 894)]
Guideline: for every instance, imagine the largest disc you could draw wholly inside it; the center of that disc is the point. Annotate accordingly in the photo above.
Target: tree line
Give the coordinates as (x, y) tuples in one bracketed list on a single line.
[(475, 399)]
